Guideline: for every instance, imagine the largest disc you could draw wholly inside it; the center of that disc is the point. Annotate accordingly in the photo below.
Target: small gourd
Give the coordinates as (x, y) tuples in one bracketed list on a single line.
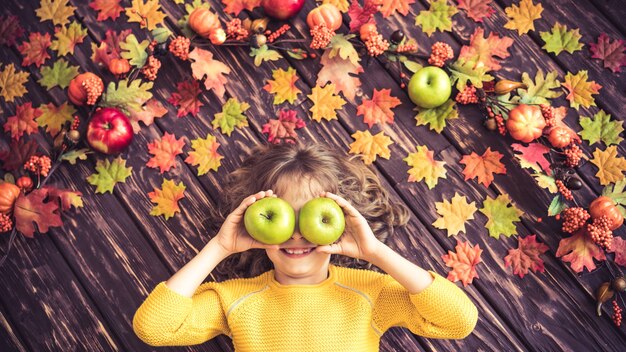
[(604, 205), (119, 66), (327, 14), (204, 22), (76, 92), (525, 123), (8, 194)]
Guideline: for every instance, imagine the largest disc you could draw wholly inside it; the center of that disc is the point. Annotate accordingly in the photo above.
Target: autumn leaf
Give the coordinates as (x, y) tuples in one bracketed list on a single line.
[(19, 152), (283, 85), (10, 30), (67, 38), (370, 146), (390, 6), (147, 114), (165, 151), (12, 83), (378, 109), (236, 6), (601, 128), (618, 246), (610, 167), (66, 198), (76, 154), (437, 17), (476, 9), (463, 262), (106, 9), (109, 174), (60, 74), (166, 198), (23, 121), (482, 51), (31, 208), (546, 182), (436, 118), (58, 11), (616, 192), (454, 214), (204, 154), (284, 128), (560, 38), (501, 216), (533, 156), (147, 13), (53, 117), (232, 116), (462, 71), (203, 64), (522, 16), (580, 90), (483, 166), (340, 45), (134, 51), (35, 50), (360, 15), (526, 256), (325, 102), (342, 73), (425, 167), (582, 250), (610, 52), (539, 90), (109, 48), (186, 98), (263, 54), (128, 96)]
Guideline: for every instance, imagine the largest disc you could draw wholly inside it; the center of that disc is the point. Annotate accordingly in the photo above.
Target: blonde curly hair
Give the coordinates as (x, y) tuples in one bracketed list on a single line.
[(336, 172)]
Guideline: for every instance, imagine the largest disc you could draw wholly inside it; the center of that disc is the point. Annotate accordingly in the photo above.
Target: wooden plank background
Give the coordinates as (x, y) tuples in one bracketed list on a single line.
[(77, 289)]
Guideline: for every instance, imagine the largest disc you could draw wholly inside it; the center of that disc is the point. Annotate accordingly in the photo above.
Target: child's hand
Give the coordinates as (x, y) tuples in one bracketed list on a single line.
[(232, 236), (358, 240)]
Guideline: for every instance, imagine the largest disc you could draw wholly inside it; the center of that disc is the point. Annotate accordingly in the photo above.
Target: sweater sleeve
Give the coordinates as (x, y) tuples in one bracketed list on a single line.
[(441, 310), (167, 318)]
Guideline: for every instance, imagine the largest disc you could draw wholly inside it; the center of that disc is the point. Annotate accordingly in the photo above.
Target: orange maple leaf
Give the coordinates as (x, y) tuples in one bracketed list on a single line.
[(481, 50), (23, 121), (205, 154), (580, 90), (35, 50), (378, 109), (483, 166), (106, 9), (370, 146), (463, 262), (235, 6), (167, 198), (203, 64), (390, 6), (526, 256), (582, 249), (165, 151)]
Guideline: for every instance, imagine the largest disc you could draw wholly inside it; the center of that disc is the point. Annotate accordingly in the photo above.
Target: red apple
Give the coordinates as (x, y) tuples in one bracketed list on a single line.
[(109, 131), (282, 9)]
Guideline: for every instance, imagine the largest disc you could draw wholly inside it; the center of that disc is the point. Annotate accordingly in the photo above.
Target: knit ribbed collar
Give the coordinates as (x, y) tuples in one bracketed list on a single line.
[(332, 277)]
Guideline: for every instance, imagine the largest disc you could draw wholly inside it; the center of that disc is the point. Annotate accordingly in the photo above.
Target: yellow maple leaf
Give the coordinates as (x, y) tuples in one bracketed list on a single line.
[(58, 11), (454, 214), (53, 117), (424, 167), (12, 83), (342, 5), (68, 37), (283, 85), (204, 154), (370, 146), (580, 91), (611, 168), (167, 198), (325, 102), (148, 14), (521, 17)]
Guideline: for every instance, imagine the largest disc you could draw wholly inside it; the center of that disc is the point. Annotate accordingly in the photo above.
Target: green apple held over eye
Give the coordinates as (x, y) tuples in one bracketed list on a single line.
[(321, 221), (270, 220), (430, 87)]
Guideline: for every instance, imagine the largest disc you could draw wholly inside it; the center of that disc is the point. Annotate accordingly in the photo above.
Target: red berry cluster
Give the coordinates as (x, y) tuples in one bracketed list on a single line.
[(499, 120), (6, 223), (235, 30), (406, 48), (179, 47), (440, 52), (151, 68), (93, 87), (39, 165), (548, 113), (467, 95), (600, 232), (564, 190), (617, 314), (271, 36), (321, 36), (376, 44), (573, 154), (574, 218), (75, 123)]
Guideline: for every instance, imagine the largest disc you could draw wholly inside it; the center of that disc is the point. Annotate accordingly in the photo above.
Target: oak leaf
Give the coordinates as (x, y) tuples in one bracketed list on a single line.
[(23, 121), (342, 73), (186, 98), (204, 64), (390, 6), (501, 215), (370, 146), (522, 16), (580, 90), (618, 246), (204, 154), (128, 96), (135, 52), (425, 167), (526, 256), (32, 209), (284, 128), (165, 151), (539, 90), (579, 250), (166, 198), (463, 262), (147, 114), (67, 198), (462, 71), (454, 214), (378, 109)]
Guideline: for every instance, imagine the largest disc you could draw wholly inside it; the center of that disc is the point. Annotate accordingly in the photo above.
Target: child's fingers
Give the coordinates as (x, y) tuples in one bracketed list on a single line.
[(248, 201), (344, 204)]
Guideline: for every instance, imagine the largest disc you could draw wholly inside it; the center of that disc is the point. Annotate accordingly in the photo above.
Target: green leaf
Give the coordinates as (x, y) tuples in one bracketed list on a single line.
[(501, 216), (616, 192), (561, 39), (134, 51), (556, 206), (161, 34), (109, 173), (601, 129), (436, 117), (340, 45), (232, 116), (438, 17), (463, 71), (60, 74), (75, 154), (298, 56), (412, 65), (264, 54), (128, 96), (540, 90)]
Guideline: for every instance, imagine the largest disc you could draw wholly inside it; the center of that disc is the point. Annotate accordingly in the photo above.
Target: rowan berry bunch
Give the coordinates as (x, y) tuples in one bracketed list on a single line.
[(321, 36), (467, 95), (617, 314), (574, 218), (600, 231), (440, 53), (235, 30), (566, 192), (179, 47), (548, 113), (6, 223), (93, 87), (39, 165)]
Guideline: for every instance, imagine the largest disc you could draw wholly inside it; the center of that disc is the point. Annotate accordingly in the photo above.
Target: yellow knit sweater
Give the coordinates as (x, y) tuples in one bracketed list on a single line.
[(349, 311)]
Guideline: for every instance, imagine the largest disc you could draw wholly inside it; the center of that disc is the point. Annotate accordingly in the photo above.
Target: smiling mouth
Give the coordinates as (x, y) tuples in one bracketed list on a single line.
[(297, 252)]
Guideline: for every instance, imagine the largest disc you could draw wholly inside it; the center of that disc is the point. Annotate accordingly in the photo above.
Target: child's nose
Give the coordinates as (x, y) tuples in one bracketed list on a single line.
[(296, 235)]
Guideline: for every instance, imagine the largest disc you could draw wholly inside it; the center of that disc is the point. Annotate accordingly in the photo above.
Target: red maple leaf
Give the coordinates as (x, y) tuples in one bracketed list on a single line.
[(107, 9), (10, 29), (35, 50), (165, 151), (476, 9), (378, 109), (526, 256), (612, 53), (283, 129), (463, 262), (618, 246), (19, 152), (109, 48), (534, 153), (187, 98), (361, 15), (582, 250), (23, 121), (31, 208)]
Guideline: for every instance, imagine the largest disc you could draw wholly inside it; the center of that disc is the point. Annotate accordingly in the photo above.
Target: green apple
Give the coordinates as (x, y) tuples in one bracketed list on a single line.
[(270, 220), (430, 87), (321, 221)]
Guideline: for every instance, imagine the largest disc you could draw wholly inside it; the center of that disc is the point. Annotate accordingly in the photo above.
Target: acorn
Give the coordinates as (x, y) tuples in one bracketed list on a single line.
[(619, 284), (74, 136), (258, 40), (491, 124), (505, 86), (259, 25), (603, 294), (396, 37), (574, 183)]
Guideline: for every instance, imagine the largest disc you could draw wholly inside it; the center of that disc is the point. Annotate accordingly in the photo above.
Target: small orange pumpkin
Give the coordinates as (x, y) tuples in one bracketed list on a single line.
[(76, 92), (204, 22), (604, 205), (328, 14), (8, 194), (218, 36), (560, 137), (525, 123), (367, 30), (25, 183), (119, 66)]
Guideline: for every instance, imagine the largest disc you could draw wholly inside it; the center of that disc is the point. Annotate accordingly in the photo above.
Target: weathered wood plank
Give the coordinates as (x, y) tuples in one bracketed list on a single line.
[(615, 11), (10, 339)]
